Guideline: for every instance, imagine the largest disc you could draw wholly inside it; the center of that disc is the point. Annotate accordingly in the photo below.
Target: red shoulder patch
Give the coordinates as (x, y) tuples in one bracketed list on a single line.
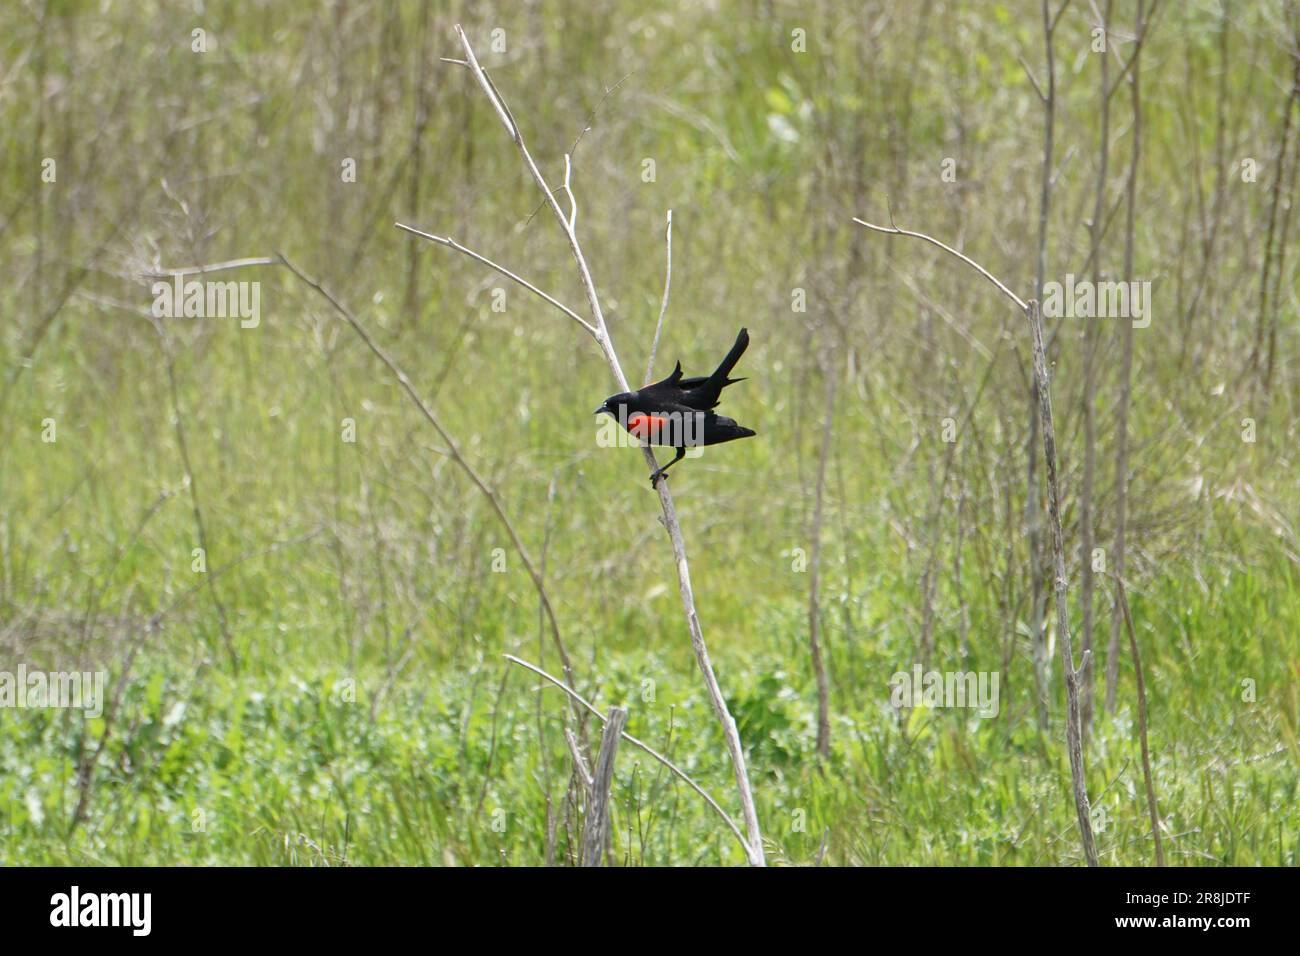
[(645, 426)]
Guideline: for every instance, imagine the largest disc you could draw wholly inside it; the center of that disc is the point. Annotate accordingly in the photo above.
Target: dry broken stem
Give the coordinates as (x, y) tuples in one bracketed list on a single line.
[(1072, 674)]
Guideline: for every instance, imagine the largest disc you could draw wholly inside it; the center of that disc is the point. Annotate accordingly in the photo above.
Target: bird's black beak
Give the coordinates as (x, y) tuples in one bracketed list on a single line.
[(602, 408)]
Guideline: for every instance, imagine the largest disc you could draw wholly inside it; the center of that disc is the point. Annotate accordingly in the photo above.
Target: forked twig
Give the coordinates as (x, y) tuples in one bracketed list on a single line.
[(640, 745), (892, 230), (1072, 674), (451, 243)]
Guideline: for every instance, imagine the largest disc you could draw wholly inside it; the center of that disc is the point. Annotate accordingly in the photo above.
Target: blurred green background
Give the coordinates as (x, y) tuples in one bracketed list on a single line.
[(331, 690)]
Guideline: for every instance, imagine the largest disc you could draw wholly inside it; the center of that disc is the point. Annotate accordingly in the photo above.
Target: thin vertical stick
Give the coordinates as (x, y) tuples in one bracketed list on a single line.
[(1072, 727), (1267, 319), (1126, 372), (663, 307), (1086, 516), (169, 363), (814, 577), (1152, 810), (1033, 510), (1078, 772), (453, 450)]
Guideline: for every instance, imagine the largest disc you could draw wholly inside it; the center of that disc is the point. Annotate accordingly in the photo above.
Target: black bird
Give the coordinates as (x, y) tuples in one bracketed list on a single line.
[(678, 412)]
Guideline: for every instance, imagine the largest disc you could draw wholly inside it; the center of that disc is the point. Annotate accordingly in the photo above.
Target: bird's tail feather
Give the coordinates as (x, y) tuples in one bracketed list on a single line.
[(719, 376)]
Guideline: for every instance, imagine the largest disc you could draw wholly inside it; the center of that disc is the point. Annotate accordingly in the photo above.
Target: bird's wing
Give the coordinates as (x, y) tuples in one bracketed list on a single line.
[(665, 390), (675, 379), (685, 391), (720, 428), (674, 406)]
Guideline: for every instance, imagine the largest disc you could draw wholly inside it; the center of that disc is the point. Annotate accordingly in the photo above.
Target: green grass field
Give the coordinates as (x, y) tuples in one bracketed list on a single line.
[(331, 689)]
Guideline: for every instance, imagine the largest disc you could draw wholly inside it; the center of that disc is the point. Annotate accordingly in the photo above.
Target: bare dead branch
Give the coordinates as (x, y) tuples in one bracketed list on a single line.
[(211, 267), (892, 230), (513, 277), (640, 745), (1152, 809), (453, 449), (579, 761), (663, 306), (1072, 675), (754, 844)]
